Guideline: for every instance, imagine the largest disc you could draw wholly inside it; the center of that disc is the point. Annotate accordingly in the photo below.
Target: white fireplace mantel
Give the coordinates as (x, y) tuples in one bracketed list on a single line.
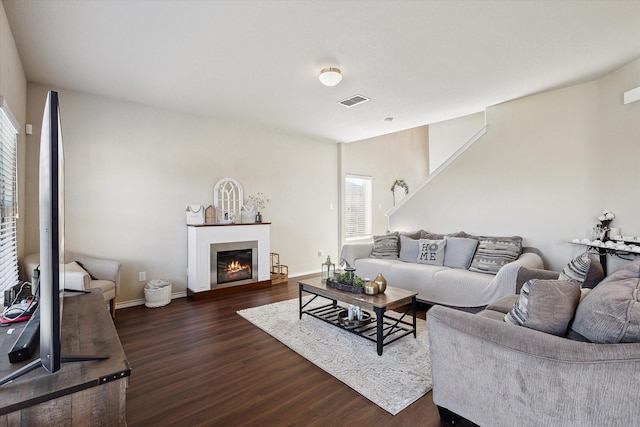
[(201, 237)]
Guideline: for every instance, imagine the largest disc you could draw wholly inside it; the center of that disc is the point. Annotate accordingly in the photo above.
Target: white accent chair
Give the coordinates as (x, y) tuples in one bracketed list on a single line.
[(83, 272)]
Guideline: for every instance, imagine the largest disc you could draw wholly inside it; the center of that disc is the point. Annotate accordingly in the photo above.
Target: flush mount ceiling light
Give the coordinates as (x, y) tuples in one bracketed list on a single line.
[(330, 76)]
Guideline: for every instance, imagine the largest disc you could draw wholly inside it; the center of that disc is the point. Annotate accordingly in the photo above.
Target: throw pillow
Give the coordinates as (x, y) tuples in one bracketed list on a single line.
[(85, 268), (408, 249), (385, 246), (494, 252), (459, 252), (610, 313), (584, 269), (431, 251), (545, 305)]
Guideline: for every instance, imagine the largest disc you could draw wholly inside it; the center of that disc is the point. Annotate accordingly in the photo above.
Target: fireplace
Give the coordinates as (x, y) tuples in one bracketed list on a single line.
[(233, 264), (203, 243)]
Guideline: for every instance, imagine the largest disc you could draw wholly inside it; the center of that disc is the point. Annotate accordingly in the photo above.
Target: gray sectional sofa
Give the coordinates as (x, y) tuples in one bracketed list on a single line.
[(462, 270), (584, 372)]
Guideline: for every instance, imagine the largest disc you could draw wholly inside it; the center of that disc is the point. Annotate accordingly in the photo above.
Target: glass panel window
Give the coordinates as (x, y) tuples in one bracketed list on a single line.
[(358, 206)]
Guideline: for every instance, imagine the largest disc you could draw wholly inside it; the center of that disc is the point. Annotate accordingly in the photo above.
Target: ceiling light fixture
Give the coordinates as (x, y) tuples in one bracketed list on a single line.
[(330, 76)]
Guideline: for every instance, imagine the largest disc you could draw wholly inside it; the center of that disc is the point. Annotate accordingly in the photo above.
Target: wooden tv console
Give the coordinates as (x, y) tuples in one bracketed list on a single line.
[(80, 393)]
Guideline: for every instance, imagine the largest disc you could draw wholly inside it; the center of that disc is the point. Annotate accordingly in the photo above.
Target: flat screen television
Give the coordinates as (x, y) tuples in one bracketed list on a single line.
[(51, 226), (51, 209)]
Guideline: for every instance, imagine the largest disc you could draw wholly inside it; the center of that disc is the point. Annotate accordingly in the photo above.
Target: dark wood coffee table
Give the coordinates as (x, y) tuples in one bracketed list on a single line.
[(382, 330)]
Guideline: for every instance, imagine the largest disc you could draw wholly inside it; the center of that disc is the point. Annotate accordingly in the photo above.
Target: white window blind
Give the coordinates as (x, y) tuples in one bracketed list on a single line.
[(358, 210), (8, 198)]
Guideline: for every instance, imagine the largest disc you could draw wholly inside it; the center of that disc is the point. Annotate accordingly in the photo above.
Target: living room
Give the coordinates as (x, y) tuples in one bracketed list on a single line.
[(132, 169), (547, 166)]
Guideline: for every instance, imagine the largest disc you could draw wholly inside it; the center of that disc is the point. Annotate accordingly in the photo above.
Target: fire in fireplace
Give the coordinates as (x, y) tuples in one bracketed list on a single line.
[(234, 263)]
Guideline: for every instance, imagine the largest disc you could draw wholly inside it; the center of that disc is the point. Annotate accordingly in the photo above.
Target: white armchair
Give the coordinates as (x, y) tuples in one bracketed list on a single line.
[(83, 272)]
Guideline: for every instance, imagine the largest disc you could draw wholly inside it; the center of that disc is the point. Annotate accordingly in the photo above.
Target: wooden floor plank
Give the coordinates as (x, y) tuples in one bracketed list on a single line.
[(198, 363)]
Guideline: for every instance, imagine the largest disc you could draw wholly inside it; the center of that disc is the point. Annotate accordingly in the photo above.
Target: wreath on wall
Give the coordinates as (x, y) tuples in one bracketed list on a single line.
[(400, 183)]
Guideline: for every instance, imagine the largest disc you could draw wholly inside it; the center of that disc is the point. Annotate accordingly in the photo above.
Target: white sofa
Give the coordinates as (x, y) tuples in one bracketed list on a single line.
[(439, 284)]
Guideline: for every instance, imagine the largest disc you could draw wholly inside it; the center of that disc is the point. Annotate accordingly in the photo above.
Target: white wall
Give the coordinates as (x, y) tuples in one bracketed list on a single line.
[(131, 170), (445, 138), (13, 87), (548, 165), (386, 158)]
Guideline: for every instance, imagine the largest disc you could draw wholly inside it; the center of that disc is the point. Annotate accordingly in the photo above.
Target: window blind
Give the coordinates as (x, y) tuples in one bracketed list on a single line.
[(358, 210), (8, 198)]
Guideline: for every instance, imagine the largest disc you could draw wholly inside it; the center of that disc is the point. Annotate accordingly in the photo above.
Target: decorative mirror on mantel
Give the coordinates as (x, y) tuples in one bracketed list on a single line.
[(228, 200)]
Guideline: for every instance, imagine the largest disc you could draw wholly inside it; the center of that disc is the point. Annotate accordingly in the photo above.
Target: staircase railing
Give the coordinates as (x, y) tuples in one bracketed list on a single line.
[(436, 172)]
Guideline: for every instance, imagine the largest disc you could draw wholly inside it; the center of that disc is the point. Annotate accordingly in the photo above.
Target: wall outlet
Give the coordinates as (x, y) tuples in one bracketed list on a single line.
[(320, 252), (142, 276)]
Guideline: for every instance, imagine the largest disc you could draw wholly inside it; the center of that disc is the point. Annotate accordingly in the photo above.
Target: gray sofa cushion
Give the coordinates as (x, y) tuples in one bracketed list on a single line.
[(610, 313), (437, 236), (546, 305), (585, 269), (415, 235), (459, 251), (494, 252), (385, 246)]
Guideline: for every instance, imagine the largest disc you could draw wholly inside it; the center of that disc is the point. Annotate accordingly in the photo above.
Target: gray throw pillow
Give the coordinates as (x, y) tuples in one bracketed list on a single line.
[(385, 246), (584, 269), (545, 305), (431, 251), (459, 252), (494, 252), (408, 249), (610, 313)]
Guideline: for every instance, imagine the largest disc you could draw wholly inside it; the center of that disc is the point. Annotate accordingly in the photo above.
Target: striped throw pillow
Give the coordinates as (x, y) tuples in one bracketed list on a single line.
[(494, 252), (584, 269), (385, 246)]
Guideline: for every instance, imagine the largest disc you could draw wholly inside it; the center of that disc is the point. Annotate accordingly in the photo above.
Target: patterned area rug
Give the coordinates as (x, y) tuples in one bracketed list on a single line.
[(392, 381)]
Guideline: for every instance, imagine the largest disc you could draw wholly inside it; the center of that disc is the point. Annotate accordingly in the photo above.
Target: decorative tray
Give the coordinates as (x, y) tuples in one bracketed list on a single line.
[(343, 319), (344, 287)]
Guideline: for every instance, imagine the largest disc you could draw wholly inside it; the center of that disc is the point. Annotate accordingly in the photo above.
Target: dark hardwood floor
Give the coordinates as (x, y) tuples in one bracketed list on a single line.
[(199, 363)]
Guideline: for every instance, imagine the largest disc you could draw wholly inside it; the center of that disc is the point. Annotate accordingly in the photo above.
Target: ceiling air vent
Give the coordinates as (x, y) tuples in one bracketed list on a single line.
[(354, 100)]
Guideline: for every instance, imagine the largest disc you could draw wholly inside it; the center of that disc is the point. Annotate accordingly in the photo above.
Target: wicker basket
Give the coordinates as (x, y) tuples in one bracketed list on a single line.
[(157, 293)]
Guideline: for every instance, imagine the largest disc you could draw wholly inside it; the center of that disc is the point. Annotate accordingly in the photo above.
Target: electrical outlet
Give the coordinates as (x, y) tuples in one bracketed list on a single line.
[(142, 276), (320, 252)]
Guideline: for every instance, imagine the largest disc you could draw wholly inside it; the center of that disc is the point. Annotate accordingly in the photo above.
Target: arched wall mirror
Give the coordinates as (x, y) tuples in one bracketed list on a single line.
[(228, 200)]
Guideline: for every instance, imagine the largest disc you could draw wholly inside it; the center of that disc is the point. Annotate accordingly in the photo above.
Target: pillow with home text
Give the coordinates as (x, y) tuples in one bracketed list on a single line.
[(431, 251)]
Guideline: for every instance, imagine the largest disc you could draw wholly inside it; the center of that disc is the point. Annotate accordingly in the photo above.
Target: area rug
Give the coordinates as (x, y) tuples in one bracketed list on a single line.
[(392, 381)]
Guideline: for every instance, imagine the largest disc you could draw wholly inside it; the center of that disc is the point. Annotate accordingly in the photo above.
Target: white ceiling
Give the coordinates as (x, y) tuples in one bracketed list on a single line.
[(257, 62)]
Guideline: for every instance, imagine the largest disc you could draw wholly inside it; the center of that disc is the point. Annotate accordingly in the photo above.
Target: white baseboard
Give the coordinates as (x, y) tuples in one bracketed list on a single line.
[(135, 302), (183, 294)]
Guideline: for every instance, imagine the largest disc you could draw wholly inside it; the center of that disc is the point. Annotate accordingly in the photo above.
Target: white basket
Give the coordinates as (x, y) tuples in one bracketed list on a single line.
[(157, 293)]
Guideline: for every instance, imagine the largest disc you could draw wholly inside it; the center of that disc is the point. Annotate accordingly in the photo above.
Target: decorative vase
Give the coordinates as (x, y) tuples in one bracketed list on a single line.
[(381, 282), (258, 217), (371, 288)]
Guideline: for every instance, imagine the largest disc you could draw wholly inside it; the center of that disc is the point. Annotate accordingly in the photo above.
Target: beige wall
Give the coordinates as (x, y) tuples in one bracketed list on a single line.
[(445, 138), (131, 170), (546, 168), (400, 155), (13, 87)]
